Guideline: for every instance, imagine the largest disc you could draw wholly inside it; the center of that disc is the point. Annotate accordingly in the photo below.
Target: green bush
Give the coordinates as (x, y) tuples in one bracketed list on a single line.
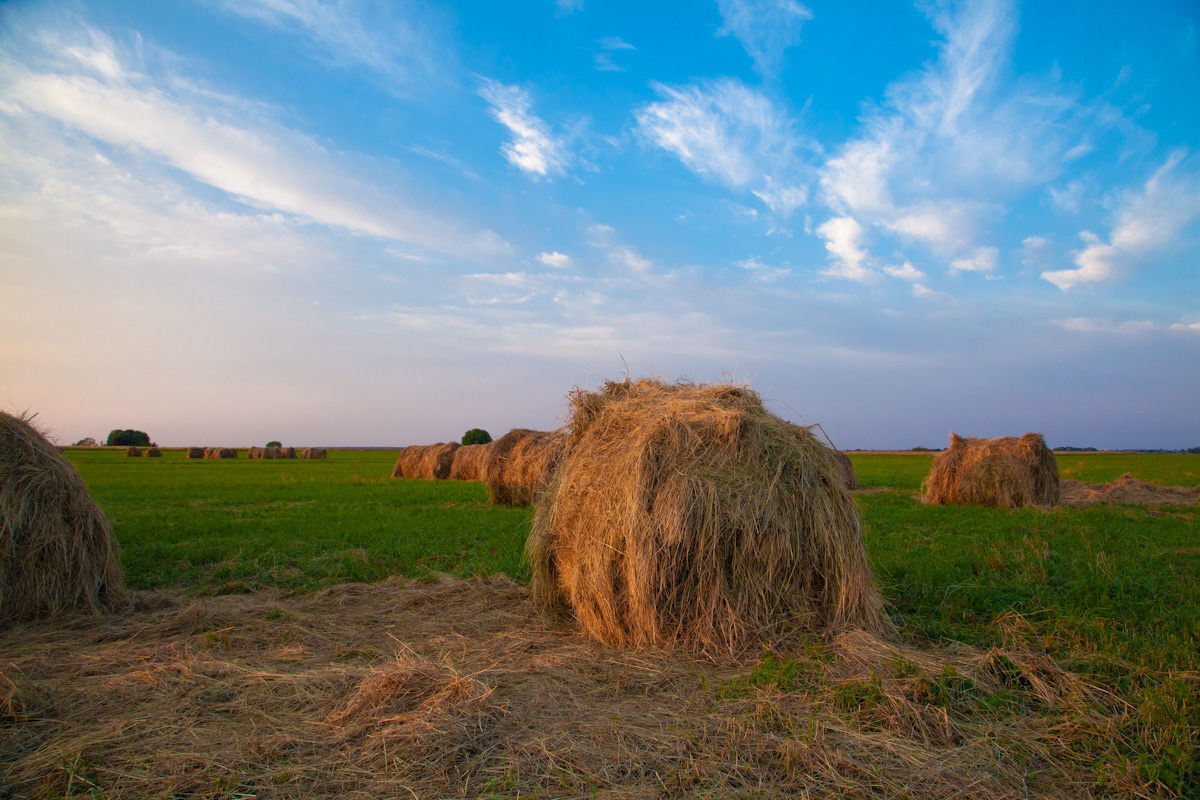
[(120, 438), (274, 443), (476, 436)]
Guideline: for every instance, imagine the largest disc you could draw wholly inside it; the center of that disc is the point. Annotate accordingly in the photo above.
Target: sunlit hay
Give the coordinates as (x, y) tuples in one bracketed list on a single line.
[(1006, 472), (133, 451), (254, 453), (470, 462), (212, 452), (520, 464), (847, 469), (288, 452), (57, 551), (195, 452), (689, 514), (428, 462), (153, 452), (313, 452), (1125, 489)]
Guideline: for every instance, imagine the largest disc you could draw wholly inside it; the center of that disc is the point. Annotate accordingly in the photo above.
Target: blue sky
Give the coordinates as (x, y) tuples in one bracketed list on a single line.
[(370, 223)]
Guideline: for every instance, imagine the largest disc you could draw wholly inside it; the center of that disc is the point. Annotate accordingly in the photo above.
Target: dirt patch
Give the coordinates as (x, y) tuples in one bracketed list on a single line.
[(461, 689), (1125, 489)]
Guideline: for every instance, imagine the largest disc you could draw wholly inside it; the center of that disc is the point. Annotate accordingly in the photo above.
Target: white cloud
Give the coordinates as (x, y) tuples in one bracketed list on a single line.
[(1190, 328), (983, 259), (905, 272), (608, 45), (843, 237), (1092, 325), (730, 133), (533, 149), (568, 6), (766, 28), (556, 259)]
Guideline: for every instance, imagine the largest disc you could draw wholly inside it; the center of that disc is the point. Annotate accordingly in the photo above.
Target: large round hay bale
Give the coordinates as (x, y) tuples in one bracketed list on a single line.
[(195, 452), (313, 452), (227, 452), (690, 515), (212, 452), (470, 462), (133, 451), (1007, 471), (153, 452), (288, 452), (426, 461), (57, 551), (254, 452), (520, 464), (272, 452), (847, 469)]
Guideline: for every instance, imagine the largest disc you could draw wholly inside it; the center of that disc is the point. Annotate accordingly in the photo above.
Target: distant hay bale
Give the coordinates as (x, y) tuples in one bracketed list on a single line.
[(313, 452), (153, 452), (690, 515), (1006, 472), (847, 467), (254, 452), (288, 452), (212, 452), (133, 452), (272, 452), (195, 452), (470, 462), (57, 551), (520, 464), (227, 452), (428, 462)]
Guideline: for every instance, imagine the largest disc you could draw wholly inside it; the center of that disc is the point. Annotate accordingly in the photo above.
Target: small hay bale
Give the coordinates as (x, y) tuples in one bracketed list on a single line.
[(690, 515), (272, 452), (212, 452), (847, 467), (57, 551), (254, 452), (133, 452), (313, 452), (288, 452), (1006, 472), (470, 462), (226, 452), (153, 452), (195, 452), (520, 464), (425, 461)]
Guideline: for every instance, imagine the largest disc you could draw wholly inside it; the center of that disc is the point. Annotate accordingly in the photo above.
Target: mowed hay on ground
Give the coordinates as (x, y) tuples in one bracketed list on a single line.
[(1125, 489), (470, 462), (57, 551), (427, 461), (195, 452), (690, 515), (313, 452), (133, 451), (1007, 471), (520, 463)]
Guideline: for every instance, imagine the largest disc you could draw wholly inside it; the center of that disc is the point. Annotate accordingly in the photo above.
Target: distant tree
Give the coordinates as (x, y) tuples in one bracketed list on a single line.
[(274, 443), (119, 438), (88, 442), (1192, 450), (476, 436)]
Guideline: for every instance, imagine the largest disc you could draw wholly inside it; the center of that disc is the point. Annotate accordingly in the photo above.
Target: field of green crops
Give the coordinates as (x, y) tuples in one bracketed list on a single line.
[(1111, 591)]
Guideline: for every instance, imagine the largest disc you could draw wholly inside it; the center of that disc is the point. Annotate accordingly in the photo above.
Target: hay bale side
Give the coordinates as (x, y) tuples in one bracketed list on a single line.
[(514, 478), (690, 515), (496, 469), (425, 461), (195, 452), (212, 452), (847, 468), (272, 452), (226, 452), (313, 452), (288, 452), (133, 452), (153, 452), (470, 462), (1007, 472), (57, 551)]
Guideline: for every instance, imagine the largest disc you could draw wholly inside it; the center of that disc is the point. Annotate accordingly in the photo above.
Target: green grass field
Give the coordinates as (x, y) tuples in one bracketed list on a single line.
[(1110, 591)]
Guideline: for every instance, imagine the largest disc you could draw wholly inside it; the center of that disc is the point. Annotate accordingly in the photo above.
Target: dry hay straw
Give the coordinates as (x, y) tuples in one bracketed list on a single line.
[(426, 461), (462, 689), (470, 462), (1125, 489), (288, 452), (153, 452), (313, 452), (846, 466), (195, 452), (689, 514), (1007, 472), (57, 551), (520, 464), (254, 453), (226, 452), (271, 452), (133, 451)]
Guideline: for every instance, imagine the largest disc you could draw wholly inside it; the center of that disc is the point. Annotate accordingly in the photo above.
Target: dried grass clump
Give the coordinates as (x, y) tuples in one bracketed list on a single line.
[(195, 452), (57, 551), (153, 452), (1125, 489), (133, 451), (470, 462), (428, 461), (313, 452), (847, 468), (520, 464), (689, 514), (1006, 472)]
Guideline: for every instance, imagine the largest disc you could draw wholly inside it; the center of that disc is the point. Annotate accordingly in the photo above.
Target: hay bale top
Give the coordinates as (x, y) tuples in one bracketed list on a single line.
[(59, 551), (1006, 471), (686, 514)]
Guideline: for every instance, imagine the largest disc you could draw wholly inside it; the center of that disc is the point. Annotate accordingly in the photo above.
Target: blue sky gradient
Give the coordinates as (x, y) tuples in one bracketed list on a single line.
[(383, 223)]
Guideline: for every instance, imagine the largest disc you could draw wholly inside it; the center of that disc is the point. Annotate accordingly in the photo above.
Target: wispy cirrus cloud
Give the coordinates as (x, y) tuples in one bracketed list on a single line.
[(604, 56), (766, 28), (533, 149), (729, 133)]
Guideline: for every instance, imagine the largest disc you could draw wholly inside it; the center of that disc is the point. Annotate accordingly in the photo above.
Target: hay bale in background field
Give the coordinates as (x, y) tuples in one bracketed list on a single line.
[(227, 452), (520, 464), (470, 462), (153, 452), (427, 461), (57, 551), (847, 467), (684, 514), (195, 452), (288, 452), (313, 452), (254, 452), (212, 452), (272, 452), (133, 451), (1006, 471)]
